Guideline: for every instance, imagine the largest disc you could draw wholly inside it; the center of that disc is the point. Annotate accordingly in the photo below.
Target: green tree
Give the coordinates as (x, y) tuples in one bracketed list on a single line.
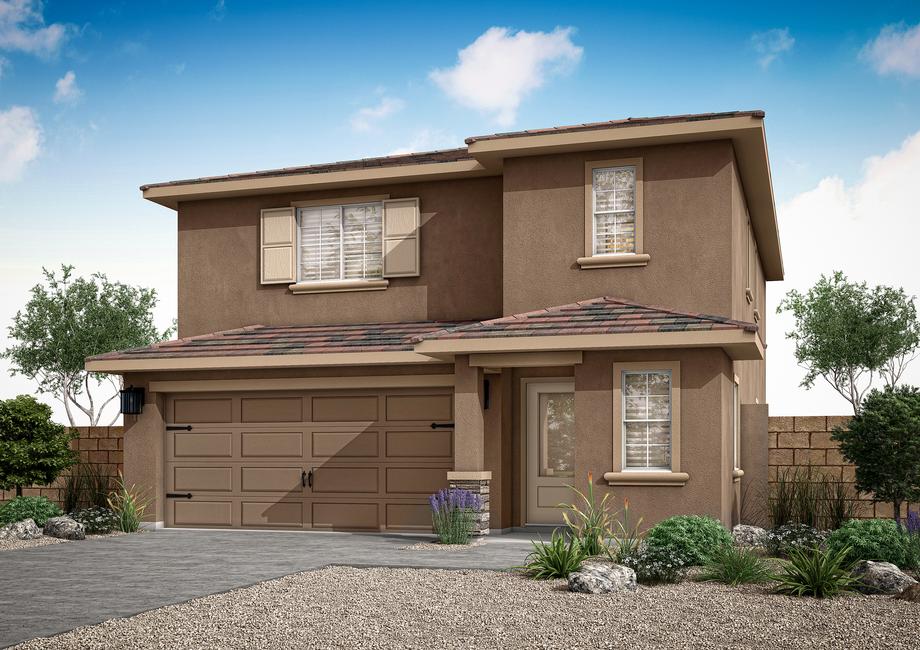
[(848, 334), (883, 441), (68, 319), (34, 450)]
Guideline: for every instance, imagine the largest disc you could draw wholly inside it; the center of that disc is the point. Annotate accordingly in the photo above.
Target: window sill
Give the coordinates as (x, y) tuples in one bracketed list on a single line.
[(613, 261), (338, 286), (669, 479)]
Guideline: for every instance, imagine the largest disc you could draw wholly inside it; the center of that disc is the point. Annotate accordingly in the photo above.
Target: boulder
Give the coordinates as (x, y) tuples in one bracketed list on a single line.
[(749, 536), (602, 578), (25, 529), (911, 594), (881, 578), (64, 528)]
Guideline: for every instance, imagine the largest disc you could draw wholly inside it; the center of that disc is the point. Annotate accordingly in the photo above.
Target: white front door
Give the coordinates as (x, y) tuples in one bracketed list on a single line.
[(550, 449)]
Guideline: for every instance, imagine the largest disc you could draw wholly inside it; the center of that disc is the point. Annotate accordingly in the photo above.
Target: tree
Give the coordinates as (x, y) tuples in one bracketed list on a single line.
[(68, 319), (848, 333), (34, 450), (883, 441)]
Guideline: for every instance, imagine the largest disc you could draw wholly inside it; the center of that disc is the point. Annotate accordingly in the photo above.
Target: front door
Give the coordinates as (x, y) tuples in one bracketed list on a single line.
[(550, 449)]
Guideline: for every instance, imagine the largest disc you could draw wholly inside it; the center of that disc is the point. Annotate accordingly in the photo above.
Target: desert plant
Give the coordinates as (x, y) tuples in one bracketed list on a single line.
[(453, 515), (627, 537), (816, 572), (129, 505), (784, 539), (97, 521), (588, 520), (557, 559), (696, 537), (72, 490), (912, 531), (38, 509), (839, 503), (97, 484), (801, 495), (658, 564), (871, 539), (734, 566)]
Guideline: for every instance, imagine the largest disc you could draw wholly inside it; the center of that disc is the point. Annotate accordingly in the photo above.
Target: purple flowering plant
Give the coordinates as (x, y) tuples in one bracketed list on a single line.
[(453, 514)]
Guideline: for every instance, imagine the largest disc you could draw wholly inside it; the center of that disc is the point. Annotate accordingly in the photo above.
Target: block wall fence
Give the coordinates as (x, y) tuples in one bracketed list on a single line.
[(100, 446)]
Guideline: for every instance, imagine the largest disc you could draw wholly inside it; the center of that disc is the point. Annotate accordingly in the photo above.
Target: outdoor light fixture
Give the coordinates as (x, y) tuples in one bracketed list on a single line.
[(132, 400)]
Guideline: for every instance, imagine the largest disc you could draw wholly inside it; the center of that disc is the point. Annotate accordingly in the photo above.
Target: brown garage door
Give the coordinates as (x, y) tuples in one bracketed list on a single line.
[(318, 460)]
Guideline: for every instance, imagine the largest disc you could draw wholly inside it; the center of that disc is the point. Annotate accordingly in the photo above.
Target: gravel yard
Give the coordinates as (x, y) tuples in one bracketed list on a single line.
[(44, 540), (344, 607)]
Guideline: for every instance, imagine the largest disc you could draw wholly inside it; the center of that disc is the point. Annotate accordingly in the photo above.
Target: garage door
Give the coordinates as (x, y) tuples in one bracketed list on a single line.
[(318, 460)]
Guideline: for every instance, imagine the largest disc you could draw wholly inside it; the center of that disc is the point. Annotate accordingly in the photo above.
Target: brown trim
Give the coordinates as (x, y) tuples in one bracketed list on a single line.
[(664, 479), (619, 260), (300, 383), (338, 286), (526, 359), (341, 200), (468, 476), (261, 361)]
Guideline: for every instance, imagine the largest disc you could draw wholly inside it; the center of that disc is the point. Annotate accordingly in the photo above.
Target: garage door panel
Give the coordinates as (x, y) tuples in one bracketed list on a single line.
[(410, 408), (271, 479), (408, 515), (419, 444), (283, 514), (271, 444), (346, 479), (192, 445), (415, 480), (202, 513), (358, 408), (199, 478), (346, 516), (344, 444), (271, 409), (200, 410)]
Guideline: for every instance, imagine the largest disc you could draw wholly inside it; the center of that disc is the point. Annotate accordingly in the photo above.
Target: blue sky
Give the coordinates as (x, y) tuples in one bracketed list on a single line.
[(123, 93)]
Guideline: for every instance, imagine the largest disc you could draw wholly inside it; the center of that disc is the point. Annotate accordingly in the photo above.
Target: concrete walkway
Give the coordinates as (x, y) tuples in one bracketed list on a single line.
[(51, 589)]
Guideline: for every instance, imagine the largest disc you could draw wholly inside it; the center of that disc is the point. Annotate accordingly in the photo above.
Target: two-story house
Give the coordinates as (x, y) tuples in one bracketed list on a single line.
[(511, 316)]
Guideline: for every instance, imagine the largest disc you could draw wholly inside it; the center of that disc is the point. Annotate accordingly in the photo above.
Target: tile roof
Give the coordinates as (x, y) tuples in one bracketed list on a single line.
[(259, 340), (598, 316)]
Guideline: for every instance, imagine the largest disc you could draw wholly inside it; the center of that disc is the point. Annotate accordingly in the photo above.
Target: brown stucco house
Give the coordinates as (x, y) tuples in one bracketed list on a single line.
[(510, 316)]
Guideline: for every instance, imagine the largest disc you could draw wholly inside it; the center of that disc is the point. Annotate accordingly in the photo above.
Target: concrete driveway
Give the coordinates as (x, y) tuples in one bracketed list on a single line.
[(52, 589)]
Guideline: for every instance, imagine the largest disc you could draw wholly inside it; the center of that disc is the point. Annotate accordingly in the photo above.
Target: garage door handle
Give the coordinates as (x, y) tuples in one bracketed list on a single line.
[(306, 479), (442, 425), (178, 495), (177, 428)]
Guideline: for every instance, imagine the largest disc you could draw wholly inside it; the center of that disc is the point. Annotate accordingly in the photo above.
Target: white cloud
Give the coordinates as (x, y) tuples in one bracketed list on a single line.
[(500, 68), (364, 119), (426, 139), (895, 50), (219, 10), (23, 28), (66, 90), (868, 230), (770, 44), (20, 141)]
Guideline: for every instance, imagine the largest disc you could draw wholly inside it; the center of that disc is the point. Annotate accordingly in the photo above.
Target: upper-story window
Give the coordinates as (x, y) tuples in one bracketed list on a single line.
[(614, 194), (341, 242)]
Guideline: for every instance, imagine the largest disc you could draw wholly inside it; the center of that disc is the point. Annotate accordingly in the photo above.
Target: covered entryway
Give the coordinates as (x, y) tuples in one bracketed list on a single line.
[(338, 460)]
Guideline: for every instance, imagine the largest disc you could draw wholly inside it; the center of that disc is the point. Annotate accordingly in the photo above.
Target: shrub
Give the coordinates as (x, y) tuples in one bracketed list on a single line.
[(813, 572), (657, 564), (803, 496), (453, 515), (871, 539), (912, 530), (129, 504), (696, 537), (39, 509), (557, 559), (782, 541), (627, 537), (34, 450), (735, 566), (589, 521), (97, 521), (86, 486)]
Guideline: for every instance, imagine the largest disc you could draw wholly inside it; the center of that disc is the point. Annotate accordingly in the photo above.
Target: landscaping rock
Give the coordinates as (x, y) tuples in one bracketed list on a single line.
[(881, 578), (598, 578), (25, 529), (749, 536), (64, 528), (911, 594)]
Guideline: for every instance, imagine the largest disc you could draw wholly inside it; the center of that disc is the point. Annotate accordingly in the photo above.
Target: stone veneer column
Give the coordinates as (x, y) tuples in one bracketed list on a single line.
[(469, 438)]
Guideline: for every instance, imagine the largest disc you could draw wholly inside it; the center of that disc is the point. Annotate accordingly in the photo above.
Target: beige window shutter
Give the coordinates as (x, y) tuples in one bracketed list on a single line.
[(401, 249), (278, 232)]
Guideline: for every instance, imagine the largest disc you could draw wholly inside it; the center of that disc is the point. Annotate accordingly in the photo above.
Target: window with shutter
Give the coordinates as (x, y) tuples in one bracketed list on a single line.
[(341, 242)]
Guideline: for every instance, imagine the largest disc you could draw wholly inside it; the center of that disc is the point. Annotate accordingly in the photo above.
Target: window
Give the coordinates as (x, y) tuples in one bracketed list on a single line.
[(557, 434), (614, 209), (341, 242), (647, 420)]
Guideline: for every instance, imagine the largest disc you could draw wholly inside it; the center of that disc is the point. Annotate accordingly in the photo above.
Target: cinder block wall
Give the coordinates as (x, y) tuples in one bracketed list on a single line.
[(100, 446), (804, 441)]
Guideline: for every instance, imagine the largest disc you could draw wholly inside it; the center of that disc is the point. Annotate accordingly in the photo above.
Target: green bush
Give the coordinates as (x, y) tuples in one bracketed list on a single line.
[(657, 564), (813, 572), (698, 538), (39, 509), (735, 566), (96, 520), (871, 539), (557, 559), (784, 539)]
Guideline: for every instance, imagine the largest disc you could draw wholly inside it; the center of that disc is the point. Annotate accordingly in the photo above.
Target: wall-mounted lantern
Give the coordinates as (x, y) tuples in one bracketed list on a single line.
[(132, 400)]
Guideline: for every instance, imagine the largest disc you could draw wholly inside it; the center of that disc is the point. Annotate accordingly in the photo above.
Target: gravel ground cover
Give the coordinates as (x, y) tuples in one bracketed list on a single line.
[(435, 546), (19, 544), (343, 607)]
